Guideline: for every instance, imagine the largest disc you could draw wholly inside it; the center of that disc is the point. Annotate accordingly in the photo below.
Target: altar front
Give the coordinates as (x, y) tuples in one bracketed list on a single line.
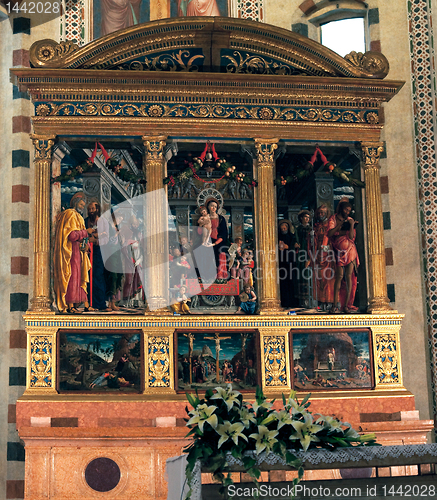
[(167, 88)]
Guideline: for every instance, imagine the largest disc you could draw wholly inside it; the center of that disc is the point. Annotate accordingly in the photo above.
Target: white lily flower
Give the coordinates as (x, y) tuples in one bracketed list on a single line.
[(283, 418), (203, 413), (352, 433), (230, 431), (306, 431), (330, 423), (247, 416), (296, 407), (264, 438), (229, 396), (264, 404)]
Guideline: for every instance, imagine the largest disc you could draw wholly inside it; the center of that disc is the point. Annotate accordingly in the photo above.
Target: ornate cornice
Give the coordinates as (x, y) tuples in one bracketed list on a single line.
[(237, 46), (300, 322)]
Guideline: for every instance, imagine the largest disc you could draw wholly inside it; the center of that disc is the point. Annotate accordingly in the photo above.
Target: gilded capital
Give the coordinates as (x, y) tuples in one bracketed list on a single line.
[(265, 149), (43, 147), (154, 146), (371, 154)]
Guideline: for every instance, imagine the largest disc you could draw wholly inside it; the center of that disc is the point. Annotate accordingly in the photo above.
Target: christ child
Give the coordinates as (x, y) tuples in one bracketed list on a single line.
[(205, 223)]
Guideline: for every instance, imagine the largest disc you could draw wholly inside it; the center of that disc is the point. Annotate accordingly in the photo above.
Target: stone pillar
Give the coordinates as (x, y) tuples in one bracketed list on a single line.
[(266, 228), (41, 301), (237, 216), (156, 251), (324, 190), (378, 301), (97, 187)]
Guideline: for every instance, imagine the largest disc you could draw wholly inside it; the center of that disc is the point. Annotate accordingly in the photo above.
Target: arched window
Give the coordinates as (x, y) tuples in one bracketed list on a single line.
[(344, 36), (342, 26)]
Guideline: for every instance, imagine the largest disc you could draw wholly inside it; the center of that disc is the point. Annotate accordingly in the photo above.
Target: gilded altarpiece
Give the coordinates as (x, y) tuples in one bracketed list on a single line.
[(151, 87)]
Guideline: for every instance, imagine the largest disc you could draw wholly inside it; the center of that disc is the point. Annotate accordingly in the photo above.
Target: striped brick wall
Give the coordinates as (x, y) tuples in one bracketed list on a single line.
[(386, 220), (19, 154), (16, 225)]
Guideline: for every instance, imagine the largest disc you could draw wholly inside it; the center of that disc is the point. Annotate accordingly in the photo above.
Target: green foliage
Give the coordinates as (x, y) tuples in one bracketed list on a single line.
[(229, 171), (222, 423)]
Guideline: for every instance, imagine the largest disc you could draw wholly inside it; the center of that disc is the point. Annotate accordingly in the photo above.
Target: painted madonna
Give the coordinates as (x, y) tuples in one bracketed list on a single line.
[(211, 199)]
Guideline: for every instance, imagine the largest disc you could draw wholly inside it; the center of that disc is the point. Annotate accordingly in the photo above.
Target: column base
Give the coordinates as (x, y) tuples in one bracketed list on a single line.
[(40, 305), (40, 391), (380, 305), (271, 306), (162, 311)]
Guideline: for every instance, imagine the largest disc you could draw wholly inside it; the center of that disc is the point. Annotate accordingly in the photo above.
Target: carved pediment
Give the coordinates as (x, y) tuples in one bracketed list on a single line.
[(208, 44)]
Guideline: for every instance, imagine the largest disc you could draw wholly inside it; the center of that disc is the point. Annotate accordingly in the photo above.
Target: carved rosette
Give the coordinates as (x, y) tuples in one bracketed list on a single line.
[(48, 53), (41, 301), (387, 360), (378, 300), (159, 363), (41, 367), (274, 364), (372, 64)]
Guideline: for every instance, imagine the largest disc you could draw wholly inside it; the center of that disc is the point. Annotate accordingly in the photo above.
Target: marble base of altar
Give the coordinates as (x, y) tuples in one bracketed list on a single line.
[(91, 463)]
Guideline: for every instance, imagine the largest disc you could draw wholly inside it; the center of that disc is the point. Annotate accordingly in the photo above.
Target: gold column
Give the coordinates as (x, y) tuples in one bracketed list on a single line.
[(41, 301), (378, 300), (266, 227), (156, 251), (159, 9)]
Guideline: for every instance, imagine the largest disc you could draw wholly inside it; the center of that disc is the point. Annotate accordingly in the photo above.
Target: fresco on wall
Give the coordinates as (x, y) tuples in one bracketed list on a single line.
[(183, 8), (114, 15), (331, 360)]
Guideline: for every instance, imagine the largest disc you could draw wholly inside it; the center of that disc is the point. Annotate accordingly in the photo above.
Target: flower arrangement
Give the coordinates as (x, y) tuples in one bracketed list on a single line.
[(223, 423)]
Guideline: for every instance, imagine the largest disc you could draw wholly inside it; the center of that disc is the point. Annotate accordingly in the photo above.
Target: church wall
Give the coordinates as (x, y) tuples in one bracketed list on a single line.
[(406, 273), (7, 470), (16, 264)]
